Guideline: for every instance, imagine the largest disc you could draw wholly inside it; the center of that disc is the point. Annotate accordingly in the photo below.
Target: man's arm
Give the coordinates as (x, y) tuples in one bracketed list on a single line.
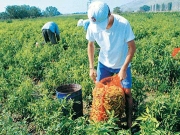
[(91, 49), (131, 51)]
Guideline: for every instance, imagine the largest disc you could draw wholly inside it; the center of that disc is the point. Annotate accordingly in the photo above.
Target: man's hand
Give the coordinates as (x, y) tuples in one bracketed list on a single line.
[(93, 74), (122, 74)]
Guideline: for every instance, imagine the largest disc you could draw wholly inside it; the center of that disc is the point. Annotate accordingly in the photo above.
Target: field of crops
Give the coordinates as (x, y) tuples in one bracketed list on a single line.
[(31, 73)]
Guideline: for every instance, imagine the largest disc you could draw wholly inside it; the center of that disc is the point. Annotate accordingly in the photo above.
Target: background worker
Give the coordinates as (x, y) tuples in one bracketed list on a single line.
[(51, 33), (84, 23), (115, 37)]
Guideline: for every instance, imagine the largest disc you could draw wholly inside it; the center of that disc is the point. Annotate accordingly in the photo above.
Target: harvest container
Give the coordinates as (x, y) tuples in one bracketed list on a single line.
[(72, 91)]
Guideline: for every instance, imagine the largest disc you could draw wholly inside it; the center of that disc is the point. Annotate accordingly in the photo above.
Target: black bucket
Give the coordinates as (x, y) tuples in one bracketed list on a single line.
[(72, 91)]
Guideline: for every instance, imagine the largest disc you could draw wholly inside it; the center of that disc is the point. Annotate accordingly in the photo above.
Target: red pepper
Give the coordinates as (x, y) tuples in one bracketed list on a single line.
[(175, 51)]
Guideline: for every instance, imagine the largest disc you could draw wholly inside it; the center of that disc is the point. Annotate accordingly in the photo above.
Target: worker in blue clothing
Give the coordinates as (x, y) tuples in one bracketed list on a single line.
[(84, 23), (51, 33)]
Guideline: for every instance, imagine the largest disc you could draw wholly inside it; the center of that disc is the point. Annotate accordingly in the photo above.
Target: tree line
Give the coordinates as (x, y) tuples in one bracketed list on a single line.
[(146, 8), (156, 7), (26, 11)]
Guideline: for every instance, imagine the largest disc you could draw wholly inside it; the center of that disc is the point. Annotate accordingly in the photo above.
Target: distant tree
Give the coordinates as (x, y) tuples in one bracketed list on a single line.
[(12, 11), (51, 11), (157, 7), (26, 11), (4, 15), (22, 11), (163, 7), (169, 6), (35, 12), (117, 10), (16, 12), (144, 8)]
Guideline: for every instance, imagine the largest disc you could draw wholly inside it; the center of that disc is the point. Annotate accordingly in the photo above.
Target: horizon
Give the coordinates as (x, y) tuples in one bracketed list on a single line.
[(73, 5)]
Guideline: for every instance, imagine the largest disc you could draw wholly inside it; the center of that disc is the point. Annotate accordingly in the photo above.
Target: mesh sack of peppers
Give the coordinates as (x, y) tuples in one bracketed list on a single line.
[(108, 95)]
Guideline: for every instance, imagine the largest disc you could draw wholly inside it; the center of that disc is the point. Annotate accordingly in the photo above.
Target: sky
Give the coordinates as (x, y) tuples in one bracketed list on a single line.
[(63, 6)]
